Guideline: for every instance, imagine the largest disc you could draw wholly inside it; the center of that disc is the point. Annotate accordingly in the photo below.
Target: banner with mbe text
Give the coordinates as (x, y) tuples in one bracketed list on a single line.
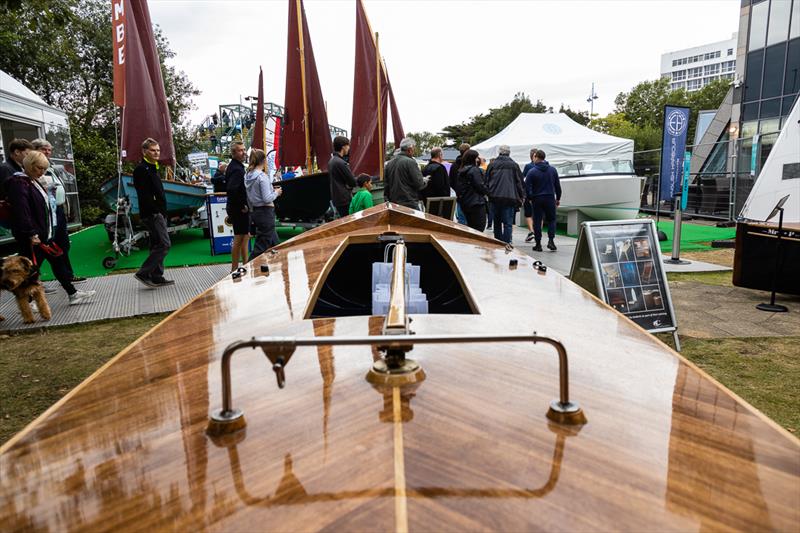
[(673, 146)]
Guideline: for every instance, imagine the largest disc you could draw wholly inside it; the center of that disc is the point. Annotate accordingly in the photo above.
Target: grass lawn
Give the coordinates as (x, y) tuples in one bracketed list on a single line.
[(723, 278), (765, 371), (37, 368)]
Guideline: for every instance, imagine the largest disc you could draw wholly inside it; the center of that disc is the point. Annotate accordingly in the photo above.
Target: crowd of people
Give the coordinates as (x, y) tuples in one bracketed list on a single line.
[(487, 196)]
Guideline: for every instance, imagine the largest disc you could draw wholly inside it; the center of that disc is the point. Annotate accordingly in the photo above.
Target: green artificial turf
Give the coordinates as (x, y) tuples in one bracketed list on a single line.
[(189, 248)]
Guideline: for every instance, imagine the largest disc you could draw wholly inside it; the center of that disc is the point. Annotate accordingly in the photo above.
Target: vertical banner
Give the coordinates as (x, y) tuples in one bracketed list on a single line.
[(673, 146), (687, 166), (118, 38)]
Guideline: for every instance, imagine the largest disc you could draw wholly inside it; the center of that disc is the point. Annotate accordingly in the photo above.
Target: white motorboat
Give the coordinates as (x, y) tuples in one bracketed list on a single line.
[(597, 176)]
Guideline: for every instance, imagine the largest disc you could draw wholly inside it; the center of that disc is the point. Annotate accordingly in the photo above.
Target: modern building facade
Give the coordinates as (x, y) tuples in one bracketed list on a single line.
[(693, 68), (764, 89)]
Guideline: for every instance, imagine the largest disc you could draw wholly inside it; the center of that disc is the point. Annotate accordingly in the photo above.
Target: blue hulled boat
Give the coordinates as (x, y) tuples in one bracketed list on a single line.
[(183, 199)]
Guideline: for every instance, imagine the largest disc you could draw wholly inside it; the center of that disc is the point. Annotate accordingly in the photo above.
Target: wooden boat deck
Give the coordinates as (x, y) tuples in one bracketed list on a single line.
[(469, 448)]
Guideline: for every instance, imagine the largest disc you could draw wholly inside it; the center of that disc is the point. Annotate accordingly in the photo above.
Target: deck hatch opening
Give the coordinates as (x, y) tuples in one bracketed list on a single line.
[(347, 288)]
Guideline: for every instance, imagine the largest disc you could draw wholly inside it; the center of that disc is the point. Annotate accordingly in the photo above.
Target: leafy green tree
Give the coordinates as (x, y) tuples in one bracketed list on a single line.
[(61, 50), (481, 127), (644, 105), (425, 141), (581, 117), (645, 137)]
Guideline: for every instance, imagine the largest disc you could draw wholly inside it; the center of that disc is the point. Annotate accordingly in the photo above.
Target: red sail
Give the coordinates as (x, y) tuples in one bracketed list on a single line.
[(294, 134), (397, 126), (138, 70), (258, 131), (364, 144)]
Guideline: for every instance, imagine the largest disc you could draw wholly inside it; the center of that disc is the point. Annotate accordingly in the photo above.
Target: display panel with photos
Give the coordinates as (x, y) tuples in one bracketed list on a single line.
[(628, 267)]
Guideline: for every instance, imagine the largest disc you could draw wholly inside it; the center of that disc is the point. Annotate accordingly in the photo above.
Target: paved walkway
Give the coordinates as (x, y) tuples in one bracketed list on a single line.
[(118, 296), (561, 259)]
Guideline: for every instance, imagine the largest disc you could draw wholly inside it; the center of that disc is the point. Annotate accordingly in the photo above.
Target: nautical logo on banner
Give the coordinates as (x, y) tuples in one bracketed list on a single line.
[(676, 123)]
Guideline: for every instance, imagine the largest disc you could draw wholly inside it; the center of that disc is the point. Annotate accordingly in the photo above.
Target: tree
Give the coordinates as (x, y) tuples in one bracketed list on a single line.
[(581, 117), (481, 127), (425, 141), (645, 137), (644, 105), (61, 50)]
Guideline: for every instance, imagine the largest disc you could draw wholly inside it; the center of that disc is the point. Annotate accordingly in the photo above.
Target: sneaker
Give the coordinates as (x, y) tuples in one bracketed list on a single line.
[(537, 247), (49, 290), (78, 279), (80, 296), (161, 282), (144, 281), (530, 236), (551, 245)]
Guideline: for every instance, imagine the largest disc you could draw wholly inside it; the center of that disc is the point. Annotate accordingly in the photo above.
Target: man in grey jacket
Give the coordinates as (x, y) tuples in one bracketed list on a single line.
[(403, 179)]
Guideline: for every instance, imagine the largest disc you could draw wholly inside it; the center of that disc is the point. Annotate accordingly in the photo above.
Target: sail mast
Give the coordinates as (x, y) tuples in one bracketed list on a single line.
[(378, 90), (303, 82)]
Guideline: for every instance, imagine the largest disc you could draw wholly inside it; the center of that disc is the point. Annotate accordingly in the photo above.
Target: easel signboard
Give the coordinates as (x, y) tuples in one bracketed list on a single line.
[(219, 228), (620, 262)]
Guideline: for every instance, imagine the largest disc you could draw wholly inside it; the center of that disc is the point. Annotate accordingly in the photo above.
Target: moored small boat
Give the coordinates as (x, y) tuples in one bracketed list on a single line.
[(182, 198)]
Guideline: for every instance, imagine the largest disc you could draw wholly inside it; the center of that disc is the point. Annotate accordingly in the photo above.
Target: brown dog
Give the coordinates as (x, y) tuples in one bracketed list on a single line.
[(17, 275)]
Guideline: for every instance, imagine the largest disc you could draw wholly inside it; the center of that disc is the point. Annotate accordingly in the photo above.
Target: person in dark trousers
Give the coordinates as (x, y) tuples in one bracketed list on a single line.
[(153, 211), (506, 192), (527, 207), (472, 191), (33, 223), (454, 168), (260, 198), (17, 150), (55, 188), (544, 191), (342, 180), (236, 207), (403, 181), (219, 181), (438, 182)]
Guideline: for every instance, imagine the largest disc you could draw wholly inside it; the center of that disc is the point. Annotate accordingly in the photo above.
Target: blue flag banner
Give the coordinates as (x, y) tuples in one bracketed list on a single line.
[(687, 165), (673, 146)]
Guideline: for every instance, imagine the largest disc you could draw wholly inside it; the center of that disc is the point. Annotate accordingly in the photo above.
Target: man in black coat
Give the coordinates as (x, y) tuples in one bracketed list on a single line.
[(153, 211), (342, 180), (506, 192), (17, 150), (219, 181), (438, 182)]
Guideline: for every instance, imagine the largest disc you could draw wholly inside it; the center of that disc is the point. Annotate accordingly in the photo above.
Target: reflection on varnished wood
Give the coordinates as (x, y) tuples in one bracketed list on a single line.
[(697, 476), (290, 490)]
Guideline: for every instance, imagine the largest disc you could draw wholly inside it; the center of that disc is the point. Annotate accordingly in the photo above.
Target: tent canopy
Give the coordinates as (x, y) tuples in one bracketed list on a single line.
[(561, 138)]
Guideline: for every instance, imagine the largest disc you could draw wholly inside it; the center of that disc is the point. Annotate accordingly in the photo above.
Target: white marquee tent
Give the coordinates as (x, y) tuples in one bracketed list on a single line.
[(779, 176), (562, 139)]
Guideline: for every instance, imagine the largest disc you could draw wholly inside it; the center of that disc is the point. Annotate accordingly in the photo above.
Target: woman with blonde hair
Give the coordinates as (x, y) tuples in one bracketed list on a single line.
[(33, 222), (260, 197)]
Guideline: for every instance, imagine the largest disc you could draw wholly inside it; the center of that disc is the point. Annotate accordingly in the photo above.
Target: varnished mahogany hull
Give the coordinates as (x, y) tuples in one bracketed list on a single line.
[(469, 448)]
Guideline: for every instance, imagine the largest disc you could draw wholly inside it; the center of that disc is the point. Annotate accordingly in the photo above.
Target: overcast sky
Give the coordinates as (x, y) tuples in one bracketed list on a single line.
[(448, 60)]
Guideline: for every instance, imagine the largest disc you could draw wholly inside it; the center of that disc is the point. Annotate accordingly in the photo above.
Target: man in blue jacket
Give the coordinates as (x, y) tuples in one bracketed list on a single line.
[(544, 191)]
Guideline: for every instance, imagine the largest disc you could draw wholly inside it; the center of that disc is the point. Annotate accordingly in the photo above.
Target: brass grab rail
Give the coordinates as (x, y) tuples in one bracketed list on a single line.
[(280, 349)]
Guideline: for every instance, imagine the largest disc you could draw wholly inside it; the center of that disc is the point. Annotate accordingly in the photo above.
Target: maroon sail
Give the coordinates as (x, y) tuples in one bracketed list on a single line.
[(365, 144), (397, 126), (138, 69), (297, 97), (258, 127)]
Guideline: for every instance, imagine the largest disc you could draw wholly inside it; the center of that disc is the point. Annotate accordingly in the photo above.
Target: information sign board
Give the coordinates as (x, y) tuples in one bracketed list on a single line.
[(219, 228), (620, 262)]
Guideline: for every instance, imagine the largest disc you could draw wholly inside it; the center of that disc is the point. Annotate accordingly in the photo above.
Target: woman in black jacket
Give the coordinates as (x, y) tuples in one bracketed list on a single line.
[(472, 191), (33, 222)]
